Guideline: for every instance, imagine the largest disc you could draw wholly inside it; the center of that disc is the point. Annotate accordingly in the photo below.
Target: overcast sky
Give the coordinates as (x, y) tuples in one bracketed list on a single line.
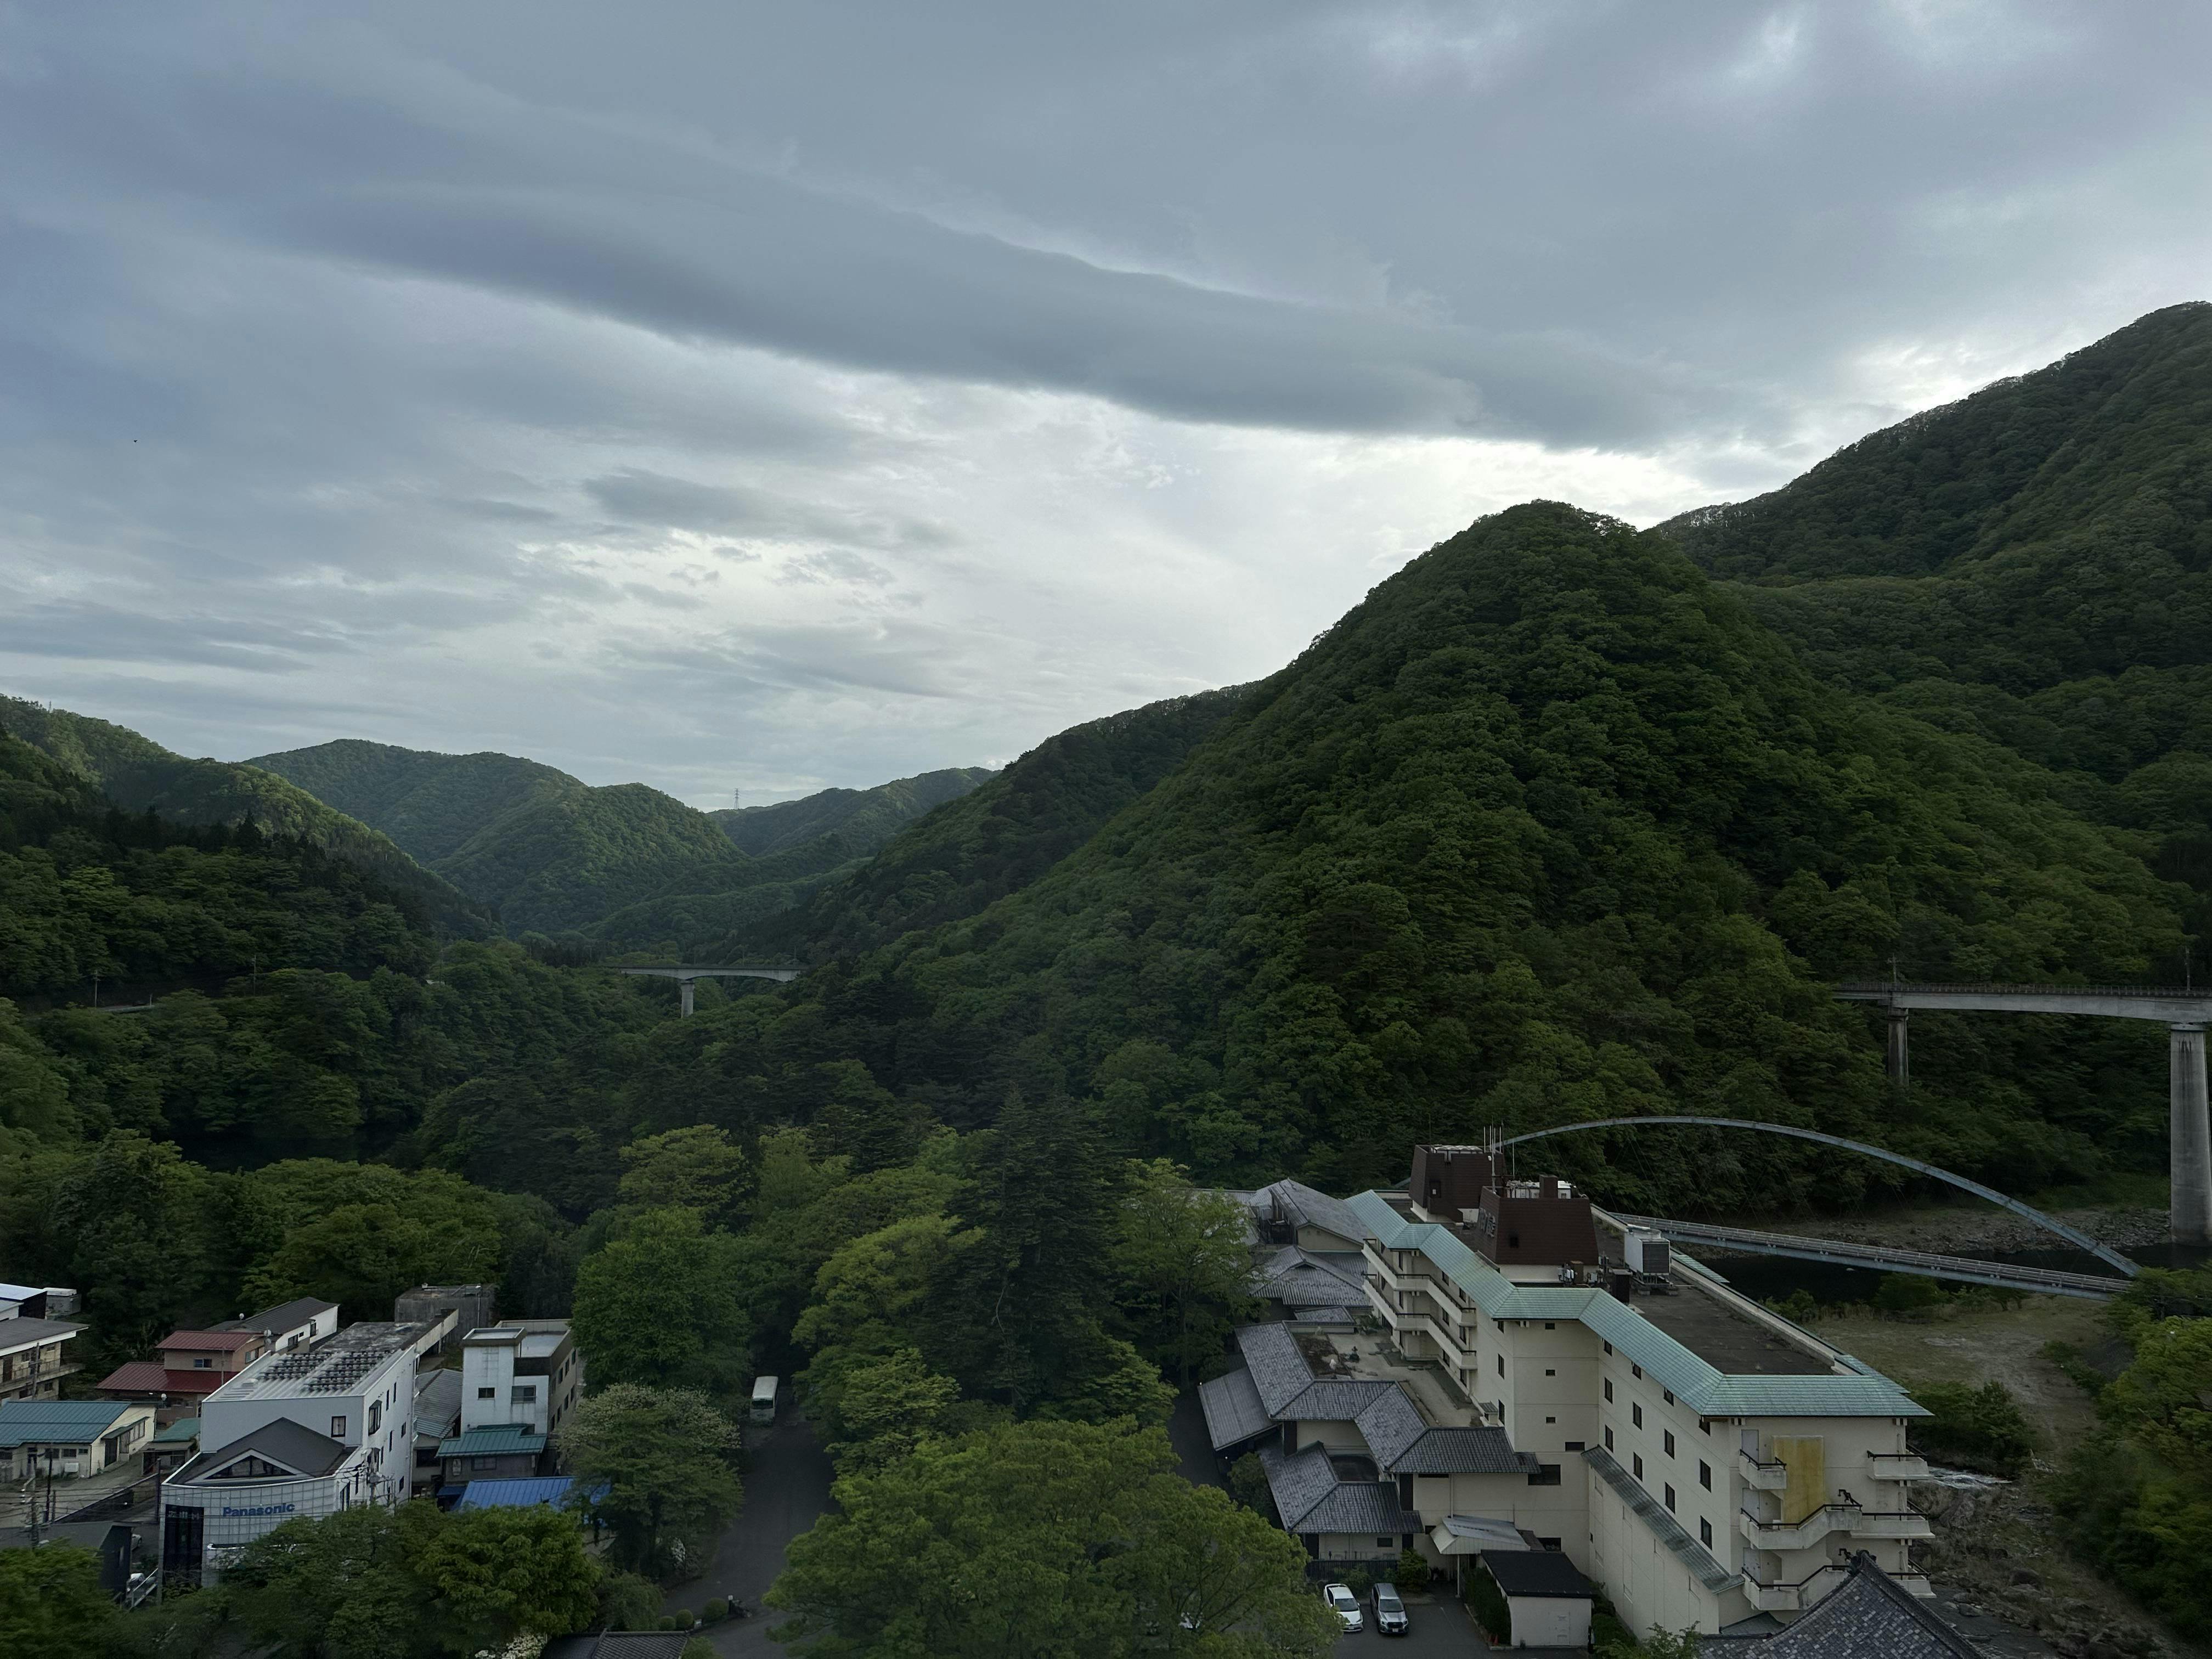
[(723, 394)]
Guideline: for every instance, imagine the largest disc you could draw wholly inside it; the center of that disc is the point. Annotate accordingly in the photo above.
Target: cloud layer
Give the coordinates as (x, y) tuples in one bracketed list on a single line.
[(779, 397)]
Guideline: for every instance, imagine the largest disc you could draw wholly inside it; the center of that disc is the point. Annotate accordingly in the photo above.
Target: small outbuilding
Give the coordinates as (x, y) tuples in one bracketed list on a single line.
[(1547, 1601)]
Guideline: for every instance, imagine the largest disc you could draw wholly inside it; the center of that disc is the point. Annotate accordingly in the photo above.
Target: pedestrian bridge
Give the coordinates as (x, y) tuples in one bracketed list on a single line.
[(2182, 1009), (687, 975)]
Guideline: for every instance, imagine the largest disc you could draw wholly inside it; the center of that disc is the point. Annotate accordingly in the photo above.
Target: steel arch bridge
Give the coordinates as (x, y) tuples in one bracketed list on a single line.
[(2050, 1224)]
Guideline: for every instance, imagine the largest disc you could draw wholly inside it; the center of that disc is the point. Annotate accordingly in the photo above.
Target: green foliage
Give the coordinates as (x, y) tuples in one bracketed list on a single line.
[(695, 1169), (1485, 1602), (2163, 1400), (964, 856), (2143, 1524), (51, 1602), (864, 818), (662, 1304), (656, 1468), (1183, 1269), (1908, 1295), (1798, 1307), (360, 1234), (1979, 1428), (1247, 1480), (1045, 1538), (140, 776), (715, 1611), (1413, 1571)]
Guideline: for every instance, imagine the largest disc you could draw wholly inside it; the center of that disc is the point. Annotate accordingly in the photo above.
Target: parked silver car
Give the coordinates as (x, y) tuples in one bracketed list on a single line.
[(1389, 1611)]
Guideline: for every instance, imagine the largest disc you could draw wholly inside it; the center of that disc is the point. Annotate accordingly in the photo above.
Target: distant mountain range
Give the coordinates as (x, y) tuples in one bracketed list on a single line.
[(553, 854)]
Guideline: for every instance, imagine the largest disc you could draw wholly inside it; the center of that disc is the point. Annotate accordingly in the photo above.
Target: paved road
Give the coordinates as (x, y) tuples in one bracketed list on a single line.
[(1194, 1446), (788, 1487)]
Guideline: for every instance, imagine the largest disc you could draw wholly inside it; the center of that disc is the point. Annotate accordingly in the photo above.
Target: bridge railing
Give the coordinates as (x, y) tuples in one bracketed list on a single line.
[(1991, 987)]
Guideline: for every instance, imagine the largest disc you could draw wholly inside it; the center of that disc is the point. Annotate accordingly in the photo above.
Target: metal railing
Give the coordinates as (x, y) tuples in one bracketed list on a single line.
[(1965, 1269), (1991, 987), (1762, 1474)]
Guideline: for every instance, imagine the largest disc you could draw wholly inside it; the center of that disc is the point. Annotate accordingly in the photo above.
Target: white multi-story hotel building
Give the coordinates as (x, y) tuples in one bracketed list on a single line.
[(1701, 1458)]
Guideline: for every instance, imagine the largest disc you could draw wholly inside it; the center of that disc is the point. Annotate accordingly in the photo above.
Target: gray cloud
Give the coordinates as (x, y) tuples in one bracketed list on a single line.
[(917, 380)]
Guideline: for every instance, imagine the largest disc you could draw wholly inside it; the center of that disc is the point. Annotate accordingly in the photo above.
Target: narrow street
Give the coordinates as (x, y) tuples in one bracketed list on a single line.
[(788, 1488)]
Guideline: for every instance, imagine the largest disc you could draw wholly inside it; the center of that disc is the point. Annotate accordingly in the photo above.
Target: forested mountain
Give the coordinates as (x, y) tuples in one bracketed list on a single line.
[(624, 862), (138, 774), (864, 818), (2033, 565), (1011, 830)]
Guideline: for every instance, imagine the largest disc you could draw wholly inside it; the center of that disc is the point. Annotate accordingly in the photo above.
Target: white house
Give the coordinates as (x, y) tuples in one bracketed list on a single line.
[(306, 1430), (519, 1380)]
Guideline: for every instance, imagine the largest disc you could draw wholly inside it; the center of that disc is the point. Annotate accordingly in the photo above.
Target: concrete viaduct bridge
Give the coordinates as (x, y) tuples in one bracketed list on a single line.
[(2183, 1010), (687, 975)]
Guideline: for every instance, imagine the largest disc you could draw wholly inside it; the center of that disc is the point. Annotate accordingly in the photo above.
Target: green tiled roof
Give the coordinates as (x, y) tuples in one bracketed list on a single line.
[(58, 1422), (1706, 1390), (182, 1432), (494, 1440)]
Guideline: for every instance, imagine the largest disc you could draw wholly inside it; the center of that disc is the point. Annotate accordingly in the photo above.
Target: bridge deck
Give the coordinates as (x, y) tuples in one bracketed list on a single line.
[(2171, 1005), (2050, 1280)]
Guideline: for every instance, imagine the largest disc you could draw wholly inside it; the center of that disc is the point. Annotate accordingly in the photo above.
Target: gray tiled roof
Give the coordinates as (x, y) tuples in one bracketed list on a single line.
[(295, 1446), (285, 1316), (1538, 1573), (1279, 1371), (1307, 1279), (1299, 1481), (1332, 1315), (1331, 1400), (1306, 1207), (1403, 1443), (1868, 1616), (1360, 1506), (1662, 1526), (1233, 1411)]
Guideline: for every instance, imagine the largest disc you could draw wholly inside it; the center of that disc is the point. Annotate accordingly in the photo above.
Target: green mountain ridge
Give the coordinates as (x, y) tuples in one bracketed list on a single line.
[(138, 774), (621, 862), (867, 819)]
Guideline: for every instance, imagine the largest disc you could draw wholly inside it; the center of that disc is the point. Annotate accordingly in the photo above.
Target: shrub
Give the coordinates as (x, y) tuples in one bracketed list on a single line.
[(1798, 1307), (716, 1610), (679, 1619), (1908, 1295), (1413, 1571), (1248, 1483), (1360, 1581), (1981, 1428), (1487, 1603)]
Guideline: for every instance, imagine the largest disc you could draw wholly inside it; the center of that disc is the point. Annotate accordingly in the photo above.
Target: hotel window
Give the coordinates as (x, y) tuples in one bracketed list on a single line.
[(1501, 1365), (1608, 1390), (1639, 1466), (1670, 1394), (375, 1415), (1636, 1370), (1608, 1347), (1574, 1445), (1608, 1439), (487, 1394), (1549, 1326), (525, 1393), (1546, 1474), (337, 1428), (1705, 1474), (1670, 1498), (1670, 1443), (1548, 1371), (1637, 1413)]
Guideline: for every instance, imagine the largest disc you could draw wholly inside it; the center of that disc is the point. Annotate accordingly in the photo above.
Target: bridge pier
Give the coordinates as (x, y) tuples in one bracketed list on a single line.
[(685, 986), (2191, 1142), (1899, 1055)]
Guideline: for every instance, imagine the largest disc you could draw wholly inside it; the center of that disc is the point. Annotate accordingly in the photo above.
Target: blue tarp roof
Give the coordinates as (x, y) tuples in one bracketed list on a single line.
[(514, 1494)]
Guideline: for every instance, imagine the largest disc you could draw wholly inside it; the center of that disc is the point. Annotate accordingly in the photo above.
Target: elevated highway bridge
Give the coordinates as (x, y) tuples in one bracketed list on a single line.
[(688, 975), (2182, 1009)]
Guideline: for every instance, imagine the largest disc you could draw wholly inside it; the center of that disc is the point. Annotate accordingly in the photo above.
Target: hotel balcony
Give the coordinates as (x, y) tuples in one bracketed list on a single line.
[(1792, 1598), (1891, 1523), (1839, 1515), (1762, 1474), (1896, 1466)]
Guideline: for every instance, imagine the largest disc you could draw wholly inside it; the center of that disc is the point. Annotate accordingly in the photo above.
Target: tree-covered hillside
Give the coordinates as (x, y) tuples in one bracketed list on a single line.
[(864, 818), (623, 863), (1011, 830), (2031, 565), (138, 774)]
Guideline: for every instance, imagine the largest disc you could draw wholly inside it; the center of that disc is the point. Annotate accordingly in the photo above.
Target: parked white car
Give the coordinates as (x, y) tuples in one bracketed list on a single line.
[(1345, 1605)]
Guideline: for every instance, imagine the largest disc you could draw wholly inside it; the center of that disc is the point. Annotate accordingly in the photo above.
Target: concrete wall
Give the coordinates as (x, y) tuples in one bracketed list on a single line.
[(1549, 1621)]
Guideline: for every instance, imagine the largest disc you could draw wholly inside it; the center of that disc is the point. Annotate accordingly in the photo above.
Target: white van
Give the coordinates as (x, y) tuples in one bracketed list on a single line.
[(765, 1390)]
